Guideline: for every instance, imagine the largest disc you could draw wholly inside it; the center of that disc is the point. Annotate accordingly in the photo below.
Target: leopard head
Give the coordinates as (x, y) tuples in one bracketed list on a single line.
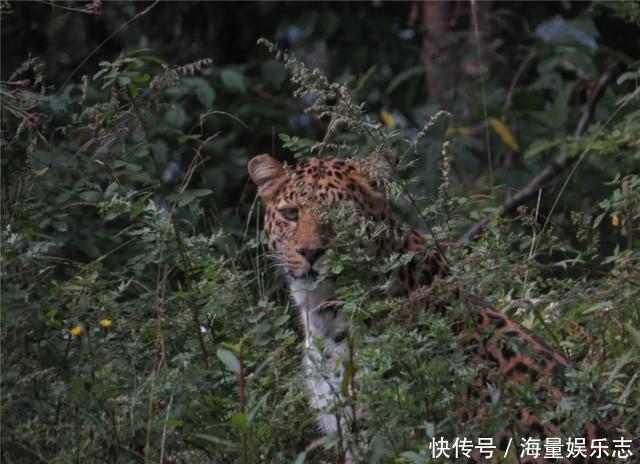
[(297, 238)]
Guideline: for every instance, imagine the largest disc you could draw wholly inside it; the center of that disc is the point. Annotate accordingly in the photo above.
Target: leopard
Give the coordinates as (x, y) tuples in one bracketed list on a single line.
[(298, 238)]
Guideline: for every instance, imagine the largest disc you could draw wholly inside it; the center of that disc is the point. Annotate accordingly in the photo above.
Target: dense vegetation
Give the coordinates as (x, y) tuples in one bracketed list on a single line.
[(140, 318)]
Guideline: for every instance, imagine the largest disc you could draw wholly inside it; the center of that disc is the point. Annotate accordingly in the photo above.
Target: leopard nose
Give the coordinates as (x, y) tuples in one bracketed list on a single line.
[(311, 254)]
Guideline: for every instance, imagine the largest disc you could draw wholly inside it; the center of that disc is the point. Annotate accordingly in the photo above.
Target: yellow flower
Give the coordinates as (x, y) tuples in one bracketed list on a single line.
[(105, 323), (75, 330), (388, 119), (615, 221)]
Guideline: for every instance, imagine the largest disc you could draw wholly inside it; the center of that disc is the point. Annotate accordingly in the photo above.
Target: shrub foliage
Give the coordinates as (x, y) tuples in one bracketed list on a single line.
[(141, 320)]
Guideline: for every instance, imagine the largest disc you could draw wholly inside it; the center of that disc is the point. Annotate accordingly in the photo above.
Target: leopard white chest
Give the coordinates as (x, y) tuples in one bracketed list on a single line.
[(326, 350)]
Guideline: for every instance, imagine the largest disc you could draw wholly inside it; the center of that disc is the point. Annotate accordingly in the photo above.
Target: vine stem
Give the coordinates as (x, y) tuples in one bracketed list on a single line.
[(552, 170), (109, 37)]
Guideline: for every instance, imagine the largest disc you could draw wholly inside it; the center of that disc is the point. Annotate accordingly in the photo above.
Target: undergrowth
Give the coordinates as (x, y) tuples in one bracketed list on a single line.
[(139, 325)]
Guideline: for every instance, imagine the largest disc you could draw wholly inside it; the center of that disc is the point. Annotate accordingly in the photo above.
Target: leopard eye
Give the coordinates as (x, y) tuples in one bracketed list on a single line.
[(290, 214)]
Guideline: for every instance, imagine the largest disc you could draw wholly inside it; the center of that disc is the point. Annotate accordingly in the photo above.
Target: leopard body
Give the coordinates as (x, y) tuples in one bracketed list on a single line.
[(298, 240)]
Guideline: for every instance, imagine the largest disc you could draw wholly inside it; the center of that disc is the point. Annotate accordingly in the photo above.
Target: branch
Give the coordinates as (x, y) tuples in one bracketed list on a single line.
[(109, 37), (552, 170)]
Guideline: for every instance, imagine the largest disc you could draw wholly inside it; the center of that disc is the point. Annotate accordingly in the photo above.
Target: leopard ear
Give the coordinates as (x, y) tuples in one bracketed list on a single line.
[(268, 174), (383, 162)]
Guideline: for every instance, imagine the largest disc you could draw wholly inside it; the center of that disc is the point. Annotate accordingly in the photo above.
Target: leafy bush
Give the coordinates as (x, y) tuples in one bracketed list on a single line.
[(142, 322)]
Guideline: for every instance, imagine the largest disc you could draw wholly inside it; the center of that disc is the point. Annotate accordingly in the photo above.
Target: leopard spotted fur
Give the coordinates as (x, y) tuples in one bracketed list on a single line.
[(299, 239)]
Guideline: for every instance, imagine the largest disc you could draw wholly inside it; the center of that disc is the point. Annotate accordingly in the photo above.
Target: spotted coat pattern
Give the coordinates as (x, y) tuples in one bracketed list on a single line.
[(298, 240)]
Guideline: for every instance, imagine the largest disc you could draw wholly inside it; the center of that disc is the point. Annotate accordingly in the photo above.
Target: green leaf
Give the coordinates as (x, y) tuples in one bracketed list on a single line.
[(538, 147), (301, 458), (274, 73), (599, 219), (198, 193), (176, 116), (184, 138), (216, 440), (559, 111), (233, 80), (134, 167), (234, 347), (141, 78), (40, 172), (376, 449), (60, 226), (133, 90), (189, 196), (142, 153), (229, 360), (206, 95), (240, 422), (635, 334), (404, 76), (261, 404), (174, 422), (90, 196)]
